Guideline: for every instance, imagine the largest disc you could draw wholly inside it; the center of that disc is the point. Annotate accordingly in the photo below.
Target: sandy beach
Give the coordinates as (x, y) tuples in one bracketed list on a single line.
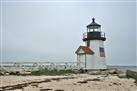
[(74, 82)]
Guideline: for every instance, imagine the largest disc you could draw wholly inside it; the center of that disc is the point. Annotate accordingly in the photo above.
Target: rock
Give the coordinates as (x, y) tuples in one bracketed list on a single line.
[(122, 75), (82, 81), (110, 85), (95, 79), (34, 84), (74, 84), (105, 75), (46, 80), (56, 79), (58, 90), (94, 73), (48, 89), (113, 71), (7, 73), (18, 90), (88, 79), (135, 82), (115, 83)]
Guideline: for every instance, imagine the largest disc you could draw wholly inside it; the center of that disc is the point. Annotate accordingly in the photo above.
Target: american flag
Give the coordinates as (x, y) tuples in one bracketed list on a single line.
[(102, 52)]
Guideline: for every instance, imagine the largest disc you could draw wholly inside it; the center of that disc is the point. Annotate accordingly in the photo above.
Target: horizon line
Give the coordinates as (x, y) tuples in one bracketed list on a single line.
[(71, 1)]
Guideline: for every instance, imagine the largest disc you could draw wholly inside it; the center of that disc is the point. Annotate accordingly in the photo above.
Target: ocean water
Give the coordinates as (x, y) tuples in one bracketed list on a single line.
[(124, 68), (63, 65)]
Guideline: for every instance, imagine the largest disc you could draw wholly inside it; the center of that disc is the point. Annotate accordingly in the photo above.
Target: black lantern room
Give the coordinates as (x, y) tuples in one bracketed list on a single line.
[(94, 32)]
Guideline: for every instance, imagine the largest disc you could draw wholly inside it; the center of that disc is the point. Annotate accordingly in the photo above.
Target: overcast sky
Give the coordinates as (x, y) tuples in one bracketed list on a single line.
[(52, 31)]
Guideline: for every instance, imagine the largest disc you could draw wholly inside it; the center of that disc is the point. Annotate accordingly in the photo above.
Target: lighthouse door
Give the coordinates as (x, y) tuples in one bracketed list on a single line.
[(81, 61)]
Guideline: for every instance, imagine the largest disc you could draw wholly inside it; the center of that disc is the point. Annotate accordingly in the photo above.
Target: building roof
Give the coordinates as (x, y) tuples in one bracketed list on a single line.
[(93, 24), (86, 50)]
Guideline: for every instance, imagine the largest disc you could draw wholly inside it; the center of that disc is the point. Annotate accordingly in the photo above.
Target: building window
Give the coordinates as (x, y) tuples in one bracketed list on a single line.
[(102, 52)]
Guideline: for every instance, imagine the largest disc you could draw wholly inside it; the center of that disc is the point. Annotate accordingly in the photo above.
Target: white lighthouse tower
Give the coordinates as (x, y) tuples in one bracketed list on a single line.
[(92, 55)]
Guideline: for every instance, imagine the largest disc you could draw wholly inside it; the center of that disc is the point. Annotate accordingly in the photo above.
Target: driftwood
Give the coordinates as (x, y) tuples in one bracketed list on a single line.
[(33, 83)]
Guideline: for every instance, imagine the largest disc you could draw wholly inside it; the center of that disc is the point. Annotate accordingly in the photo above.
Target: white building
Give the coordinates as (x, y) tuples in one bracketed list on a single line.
[(92, 56)]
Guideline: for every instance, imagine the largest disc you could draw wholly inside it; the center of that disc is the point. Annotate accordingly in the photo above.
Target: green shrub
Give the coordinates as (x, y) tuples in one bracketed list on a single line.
[(14, 73), (1, 74), (51, 72)]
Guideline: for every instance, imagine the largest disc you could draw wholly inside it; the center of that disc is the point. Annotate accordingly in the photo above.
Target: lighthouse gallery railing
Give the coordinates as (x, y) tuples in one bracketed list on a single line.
[(102, 34)]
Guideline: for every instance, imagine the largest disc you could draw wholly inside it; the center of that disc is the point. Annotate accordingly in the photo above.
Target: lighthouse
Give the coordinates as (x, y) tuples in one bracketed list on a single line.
[(92, 54)]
